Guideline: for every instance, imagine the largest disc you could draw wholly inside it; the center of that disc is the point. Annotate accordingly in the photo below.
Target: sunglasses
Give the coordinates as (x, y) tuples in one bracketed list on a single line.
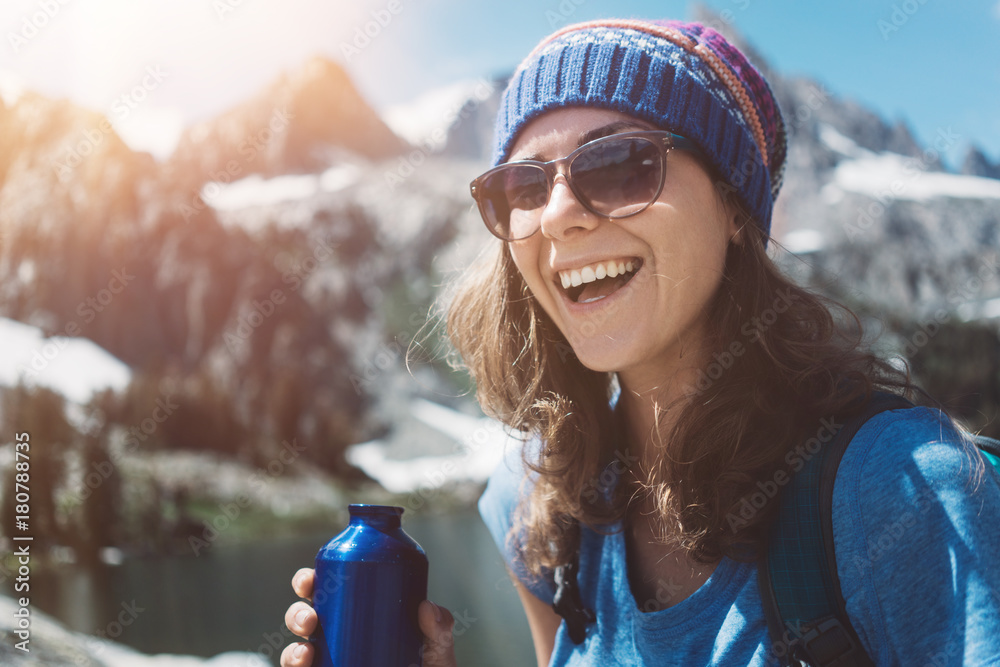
[(613, 177)]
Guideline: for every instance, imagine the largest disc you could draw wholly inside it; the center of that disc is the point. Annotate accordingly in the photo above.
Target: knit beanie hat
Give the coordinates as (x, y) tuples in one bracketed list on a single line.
[(681, 77)]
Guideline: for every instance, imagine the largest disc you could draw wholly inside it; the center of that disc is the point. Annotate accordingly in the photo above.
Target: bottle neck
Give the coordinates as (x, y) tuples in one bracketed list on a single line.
[(380, 517)]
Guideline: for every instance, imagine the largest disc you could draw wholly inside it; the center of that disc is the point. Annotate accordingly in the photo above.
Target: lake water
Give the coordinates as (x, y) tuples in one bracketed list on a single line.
[(233, 599)]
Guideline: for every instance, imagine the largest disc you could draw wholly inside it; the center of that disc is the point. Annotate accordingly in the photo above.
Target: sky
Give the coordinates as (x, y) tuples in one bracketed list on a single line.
[(154, 67)]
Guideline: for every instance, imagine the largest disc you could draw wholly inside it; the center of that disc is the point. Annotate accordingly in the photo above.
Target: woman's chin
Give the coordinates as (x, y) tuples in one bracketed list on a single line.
[(601, 360)]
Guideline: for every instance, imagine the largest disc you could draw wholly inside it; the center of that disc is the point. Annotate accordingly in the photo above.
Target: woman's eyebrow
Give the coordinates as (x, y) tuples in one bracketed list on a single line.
[(609, 129), (596, 133)]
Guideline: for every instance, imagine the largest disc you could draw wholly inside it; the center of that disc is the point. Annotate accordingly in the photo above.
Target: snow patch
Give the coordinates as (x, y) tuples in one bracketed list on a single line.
[(983, 310), (425, 120), (337, 178), (76, 368), (255, 190), (888, 175), (11, 87), (838, 143), (802, 241), (482, 443), (154, 130), (118, 655), (894, 176), (26, 271)]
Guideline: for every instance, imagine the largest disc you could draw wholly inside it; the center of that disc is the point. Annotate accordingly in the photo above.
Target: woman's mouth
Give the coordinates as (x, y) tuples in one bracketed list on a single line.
[(594, 282)]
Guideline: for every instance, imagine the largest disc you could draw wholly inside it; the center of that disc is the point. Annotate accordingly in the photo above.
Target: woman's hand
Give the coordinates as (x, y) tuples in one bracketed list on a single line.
[(435, 622)]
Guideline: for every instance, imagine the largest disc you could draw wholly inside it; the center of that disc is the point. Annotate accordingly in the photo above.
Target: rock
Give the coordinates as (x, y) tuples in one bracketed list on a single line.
[(977, 164), (52, 645)]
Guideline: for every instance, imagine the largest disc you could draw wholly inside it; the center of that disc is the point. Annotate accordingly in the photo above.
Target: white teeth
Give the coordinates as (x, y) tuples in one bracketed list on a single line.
[(589, 274)]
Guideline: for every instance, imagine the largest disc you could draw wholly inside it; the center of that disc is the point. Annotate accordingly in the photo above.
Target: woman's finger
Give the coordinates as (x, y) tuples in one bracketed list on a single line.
[(302, 582), (301, 619), (439, 644), (297, 655)]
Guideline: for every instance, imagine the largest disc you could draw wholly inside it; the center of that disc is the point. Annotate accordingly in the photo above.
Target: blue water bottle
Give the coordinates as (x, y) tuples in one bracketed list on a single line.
[(369, 581)]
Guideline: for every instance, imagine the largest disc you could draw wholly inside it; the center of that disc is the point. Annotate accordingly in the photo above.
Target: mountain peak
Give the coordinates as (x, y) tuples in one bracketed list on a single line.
[(977, 164), (291, 126), (49, 147)]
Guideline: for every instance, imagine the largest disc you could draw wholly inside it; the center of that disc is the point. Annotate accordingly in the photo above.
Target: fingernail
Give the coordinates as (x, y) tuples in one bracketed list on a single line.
[(437, 613), (299, 650), (301, 617)]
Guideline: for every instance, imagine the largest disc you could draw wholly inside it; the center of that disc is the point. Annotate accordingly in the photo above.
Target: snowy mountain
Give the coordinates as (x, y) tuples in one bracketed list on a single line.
[(258, 329), (300, 123), (877, 215), (279, 264)]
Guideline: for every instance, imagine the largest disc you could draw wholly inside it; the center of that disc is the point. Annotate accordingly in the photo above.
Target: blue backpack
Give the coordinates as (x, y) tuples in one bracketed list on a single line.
[(797, 573)]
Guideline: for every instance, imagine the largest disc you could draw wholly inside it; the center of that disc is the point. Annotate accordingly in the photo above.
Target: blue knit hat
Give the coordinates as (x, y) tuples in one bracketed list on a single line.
[(681, 77)]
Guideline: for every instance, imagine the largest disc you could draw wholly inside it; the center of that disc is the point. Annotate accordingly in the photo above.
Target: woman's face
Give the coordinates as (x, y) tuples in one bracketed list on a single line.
[(642, 323)]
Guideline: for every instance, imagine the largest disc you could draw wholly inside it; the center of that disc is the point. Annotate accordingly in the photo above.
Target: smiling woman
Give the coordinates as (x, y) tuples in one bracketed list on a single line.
[(680, 234), (672, 382)]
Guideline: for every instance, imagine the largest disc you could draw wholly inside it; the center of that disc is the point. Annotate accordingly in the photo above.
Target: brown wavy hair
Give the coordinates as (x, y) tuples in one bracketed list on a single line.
[(797, 367)]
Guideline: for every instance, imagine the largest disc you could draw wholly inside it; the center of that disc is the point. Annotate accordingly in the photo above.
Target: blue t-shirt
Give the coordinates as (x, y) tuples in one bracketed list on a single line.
[(918, 554)]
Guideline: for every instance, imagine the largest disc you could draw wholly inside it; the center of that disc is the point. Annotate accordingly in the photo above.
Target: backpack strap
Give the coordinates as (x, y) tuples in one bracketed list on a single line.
[(797, 573), (990, 449), (567, 602)]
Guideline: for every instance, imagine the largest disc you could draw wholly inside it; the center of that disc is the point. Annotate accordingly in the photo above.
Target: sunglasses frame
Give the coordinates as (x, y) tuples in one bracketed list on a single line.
[(662, 139)]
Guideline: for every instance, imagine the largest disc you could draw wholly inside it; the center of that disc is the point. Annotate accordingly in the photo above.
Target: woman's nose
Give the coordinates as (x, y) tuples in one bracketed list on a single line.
[(564, 214)]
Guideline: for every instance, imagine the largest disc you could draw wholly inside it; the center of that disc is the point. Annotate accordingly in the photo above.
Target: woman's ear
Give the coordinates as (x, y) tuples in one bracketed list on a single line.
[(736, 220), (737, 237)]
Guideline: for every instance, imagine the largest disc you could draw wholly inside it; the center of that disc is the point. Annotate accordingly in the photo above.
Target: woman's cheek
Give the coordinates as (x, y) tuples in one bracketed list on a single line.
[(526, 260)]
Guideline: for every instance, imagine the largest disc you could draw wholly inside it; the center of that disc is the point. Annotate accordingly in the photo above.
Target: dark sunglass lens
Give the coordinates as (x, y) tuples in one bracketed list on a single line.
[(619, 178), (512, 198)]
